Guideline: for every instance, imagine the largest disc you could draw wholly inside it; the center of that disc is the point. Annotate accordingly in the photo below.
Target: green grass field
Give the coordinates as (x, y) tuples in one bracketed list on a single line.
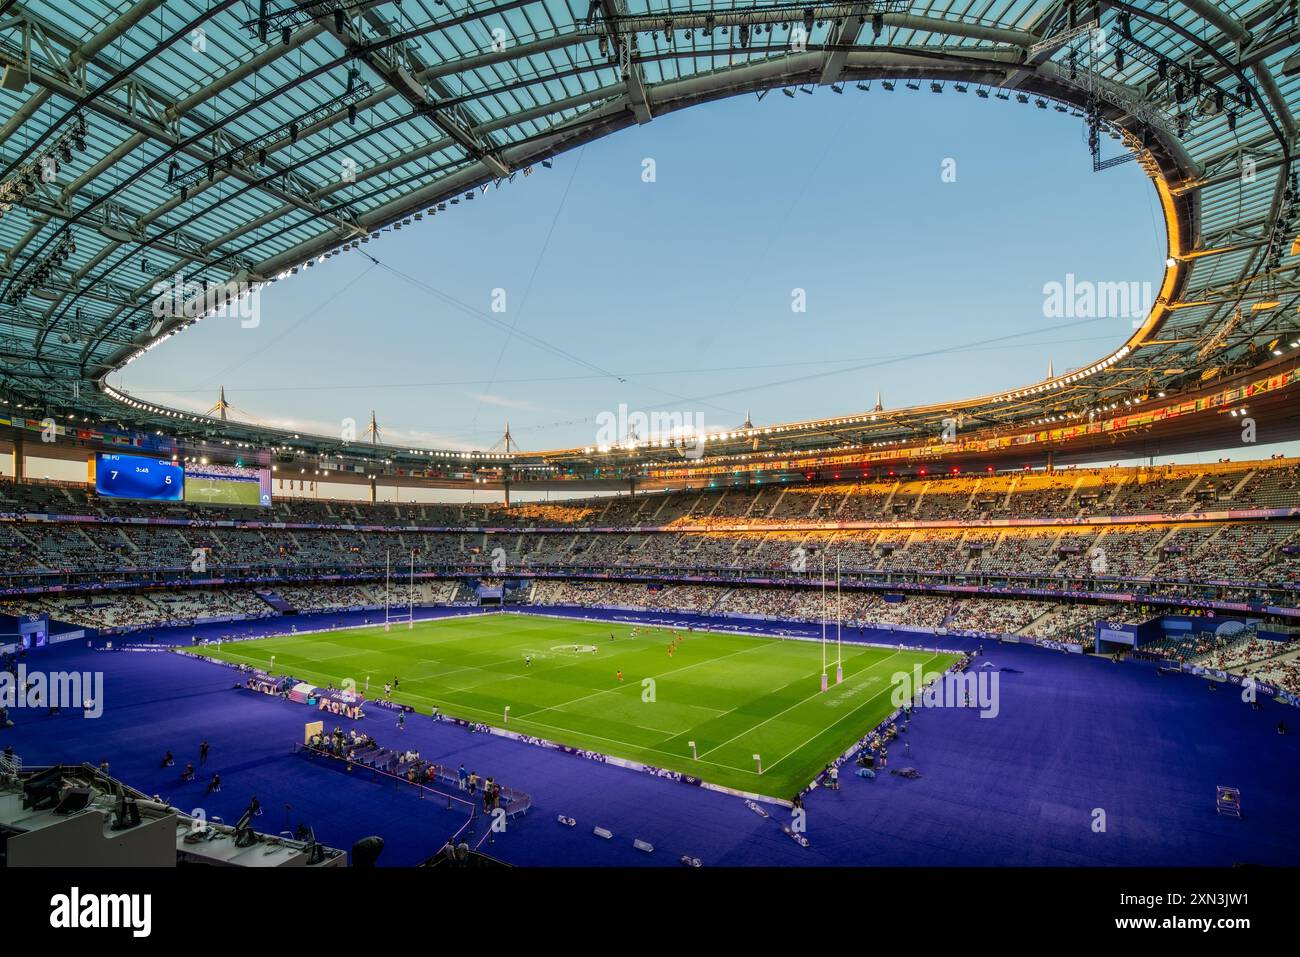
[(734, 696)]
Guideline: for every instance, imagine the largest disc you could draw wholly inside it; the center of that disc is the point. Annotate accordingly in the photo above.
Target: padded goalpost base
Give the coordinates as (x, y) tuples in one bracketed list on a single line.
[(1227, 801)]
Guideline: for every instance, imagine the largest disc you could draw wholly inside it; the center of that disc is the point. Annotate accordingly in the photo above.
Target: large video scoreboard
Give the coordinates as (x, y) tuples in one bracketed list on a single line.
[(144, 478), (136, 476)]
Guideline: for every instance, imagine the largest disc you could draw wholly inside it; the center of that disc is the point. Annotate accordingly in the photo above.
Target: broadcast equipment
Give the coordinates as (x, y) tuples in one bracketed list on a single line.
[(244, 835), (73, 800), (315, 850), (127, 813), (41, 791)]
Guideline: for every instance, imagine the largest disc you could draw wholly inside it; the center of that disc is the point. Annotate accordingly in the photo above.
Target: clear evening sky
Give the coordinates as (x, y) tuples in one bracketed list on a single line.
[(921, 289)]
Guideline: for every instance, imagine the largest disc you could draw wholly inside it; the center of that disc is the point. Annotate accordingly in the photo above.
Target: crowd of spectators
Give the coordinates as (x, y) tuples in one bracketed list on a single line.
[(1186, 647), (1063, 493), (1071, 620), (1272, 661), (1238, 654), (1283, 672), (698, 532), (996, 616), (341, 596), (856, 609), (115, 611), (1247, 552)]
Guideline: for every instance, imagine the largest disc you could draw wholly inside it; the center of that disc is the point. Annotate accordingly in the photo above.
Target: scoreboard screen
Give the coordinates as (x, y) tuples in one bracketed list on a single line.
[(136, 476)]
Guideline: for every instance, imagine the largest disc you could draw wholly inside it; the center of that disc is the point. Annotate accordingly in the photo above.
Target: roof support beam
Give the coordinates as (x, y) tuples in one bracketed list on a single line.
[(1228, 24), (225, 81), (519, 51), (23, 114), (1275, 98), (846, 36), (700, 19), (1038, 31), (404, 81), (621, 50), (80, 56), (145, 130), (110, 159), (515, 155)]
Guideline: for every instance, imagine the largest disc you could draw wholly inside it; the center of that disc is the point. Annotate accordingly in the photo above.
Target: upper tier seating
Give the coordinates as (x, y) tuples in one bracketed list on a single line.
[(701, 529)]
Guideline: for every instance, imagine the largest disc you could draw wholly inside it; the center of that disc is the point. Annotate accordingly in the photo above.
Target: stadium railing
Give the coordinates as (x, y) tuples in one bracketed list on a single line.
[(514, 801)]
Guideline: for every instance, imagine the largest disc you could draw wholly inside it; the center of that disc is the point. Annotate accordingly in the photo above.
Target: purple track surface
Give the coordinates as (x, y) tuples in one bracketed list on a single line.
[(1074, 734)]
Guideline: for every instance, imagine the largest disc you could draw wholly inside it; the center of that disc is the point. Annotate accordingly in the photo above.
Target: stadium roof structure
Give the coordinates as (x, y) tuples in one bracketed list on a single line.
[(211, 138)]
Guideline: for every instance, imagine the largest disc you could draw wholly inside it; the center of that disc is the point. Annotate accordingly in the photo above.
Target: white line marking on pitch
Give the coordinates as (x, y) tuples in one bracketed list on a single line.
[(841, 718), (707, 661), (580, 734), (793, 706), (723, 714)]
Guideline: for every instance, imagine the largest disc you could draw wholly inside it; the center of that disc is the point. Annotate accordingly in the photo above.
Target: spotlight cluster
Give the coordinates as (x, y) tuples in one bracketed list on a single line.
[(27, 178), (1283, 228), (42, 271)]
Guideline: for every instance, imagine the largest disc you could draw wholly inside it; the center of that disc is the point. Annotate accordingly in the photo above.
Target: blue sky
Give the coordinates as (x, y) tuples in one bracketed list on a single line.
[(683, 286)]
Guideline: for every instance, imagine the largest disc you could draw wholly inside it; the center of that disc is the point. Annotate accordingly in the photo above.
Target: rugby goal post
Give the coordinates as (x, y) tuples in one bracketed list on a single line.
[(398, 616)]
